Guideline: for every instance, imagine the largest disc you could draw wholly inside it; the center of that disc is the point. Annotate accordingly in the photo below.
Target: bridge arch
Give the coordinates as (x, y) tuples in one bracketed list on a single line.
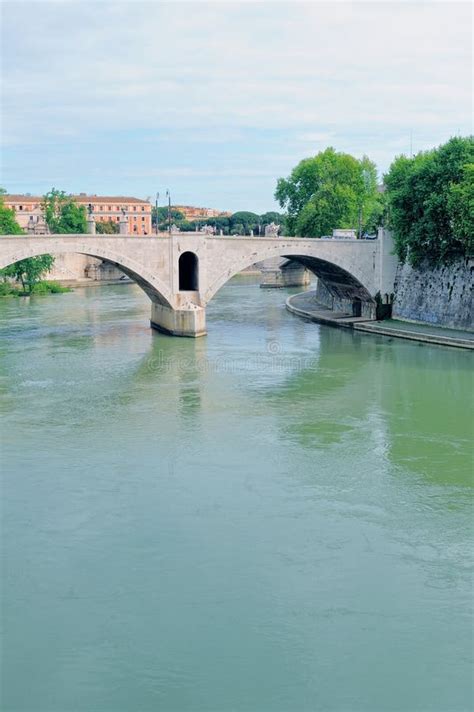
[(342, 277), (155, 289)]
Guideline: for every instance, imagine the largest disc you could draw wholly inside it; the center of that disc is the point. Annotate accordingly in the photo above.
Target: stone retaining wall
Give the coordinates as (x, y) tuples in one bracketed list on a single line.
[(436, 295)]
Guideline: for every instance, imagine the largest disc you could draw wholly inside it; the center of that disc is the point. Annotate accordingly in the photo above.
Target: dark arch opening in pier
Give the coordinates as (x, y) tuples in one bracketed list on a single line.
[(188, 272)]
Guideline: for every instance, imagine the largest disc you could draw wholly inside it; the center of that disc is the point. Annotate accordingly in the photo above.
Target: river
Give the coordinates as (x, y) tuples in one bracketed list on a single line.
[(276, 517)]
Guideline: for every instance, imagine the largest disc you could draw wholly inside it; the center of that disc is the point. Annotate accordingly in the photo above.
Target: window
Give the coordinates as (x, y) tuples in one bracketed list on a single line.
[(134, 208), (21, 207)]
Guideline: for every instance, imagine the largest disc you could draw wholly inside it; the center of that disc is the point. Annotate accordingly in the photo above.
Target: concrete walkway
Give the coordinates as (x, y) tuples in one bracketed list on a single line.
[(306, 306), (419, 332)]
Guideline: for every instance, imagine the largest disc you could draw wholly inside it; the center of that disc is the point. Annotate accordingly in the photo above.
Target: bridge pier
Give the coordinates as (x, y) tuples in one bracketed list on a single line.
[(277, 272), (190, 321)]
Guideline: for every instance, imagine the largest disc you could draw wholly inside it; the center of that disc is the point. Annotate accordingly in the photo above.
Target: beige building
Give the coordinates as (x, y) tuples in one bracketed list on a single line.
[(192, 213), (29, 213)]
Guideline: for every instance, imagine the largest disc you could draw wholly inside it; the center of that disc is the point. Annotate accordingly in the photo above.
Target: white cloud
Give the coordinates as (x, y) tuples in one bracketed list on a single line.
[(314, 73)]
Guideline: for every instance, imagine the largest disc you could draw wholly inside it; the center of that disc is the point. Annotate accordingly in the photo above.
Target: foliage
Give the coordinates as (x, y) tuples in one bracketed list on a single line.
[(330, 190), (184, 226), (240, 223), (461, 208), (243, 222), (106, 227), (176, 216), (8, 223), (29, 271), (7, 289), (63, 214), (47, 287), (431, 202), (274, 217)]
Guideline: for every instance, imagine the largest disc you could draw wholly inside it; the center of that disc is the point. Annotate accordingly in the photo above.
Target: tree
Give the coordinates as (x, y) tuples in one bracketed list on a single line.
[(271, 217), (242, 222), (430, 201), (186, 226), (107, 227), (331, 190), (63, 214), (461, 209), (8, 223), (29, 271), (176, 217)]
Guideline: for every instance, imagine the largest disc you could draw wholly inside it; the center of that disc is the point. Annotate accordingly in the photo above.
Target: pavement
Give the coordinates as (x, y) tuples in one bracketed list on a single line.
[(306, 306)]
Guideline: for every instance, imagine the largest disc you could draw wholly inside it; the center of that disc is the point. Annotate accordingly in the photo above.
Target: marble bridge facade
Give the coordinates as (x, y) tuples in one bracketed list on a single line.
[(182, 272)]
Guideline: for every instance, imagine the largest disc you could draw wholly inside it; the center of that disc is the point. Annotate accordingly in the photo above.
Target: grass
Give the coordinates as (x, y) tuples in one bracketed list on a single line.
[(9, 289)]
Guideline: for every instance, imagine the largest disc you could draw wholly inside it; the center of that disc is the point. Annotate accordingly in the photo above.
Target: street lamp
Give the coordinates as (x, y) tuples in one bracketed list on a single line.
[(169, 212), (156, 212)]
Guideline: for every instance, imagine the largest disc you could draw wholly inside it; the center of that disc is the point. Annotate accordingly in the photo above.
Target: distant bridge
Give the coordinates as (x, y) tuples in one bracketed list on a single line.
[(181, 273)]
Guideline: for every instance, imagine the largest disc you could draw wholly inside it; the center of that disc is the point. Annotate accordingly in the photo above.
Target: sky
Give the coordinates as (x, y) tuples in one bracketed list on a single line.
[(217, 100)]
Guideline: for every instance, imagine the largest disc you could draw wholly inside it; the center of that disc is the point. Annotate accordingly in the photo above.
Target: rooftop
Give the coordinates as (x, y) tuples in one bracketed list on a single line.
[(80, 198)]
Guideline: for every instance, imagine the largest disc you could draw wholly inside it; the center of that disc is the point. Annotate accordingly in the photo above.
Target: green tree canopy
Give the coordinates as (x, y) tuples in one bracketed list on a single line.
[(8, 223), (63, 214), (29, 271), (107, 227), (176, 216), (430, 201), (331, 190), (271, 217), (243, 221)]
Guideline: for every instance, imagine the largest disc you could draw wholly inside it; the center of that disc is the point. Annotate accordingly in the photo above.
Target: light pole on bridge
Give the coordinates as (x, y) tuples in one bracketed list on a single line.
[(156, 211), (169, 211)]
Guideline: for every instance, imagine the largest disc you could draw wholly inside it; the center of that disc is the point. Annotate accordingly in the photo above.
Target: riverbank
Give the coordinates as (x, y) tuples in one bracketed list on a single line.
[(305, 305), (86, 282)]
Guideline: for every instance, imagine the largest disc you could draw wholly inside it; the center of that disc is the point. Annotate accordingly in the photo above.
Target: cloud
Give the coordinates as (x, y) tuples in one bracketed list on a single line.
[(230, 79)]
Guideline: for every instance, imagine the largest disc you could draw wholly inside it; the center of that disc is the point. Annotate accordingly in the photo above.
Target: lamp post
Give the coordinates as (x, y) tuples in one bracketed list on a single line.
[(169, 211), (156, 212)]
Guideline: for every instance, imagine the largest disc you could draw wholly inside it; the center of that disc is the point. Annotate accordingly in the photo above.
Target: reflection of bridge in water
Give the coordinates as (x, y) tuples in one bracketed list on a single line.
[(181, 273)]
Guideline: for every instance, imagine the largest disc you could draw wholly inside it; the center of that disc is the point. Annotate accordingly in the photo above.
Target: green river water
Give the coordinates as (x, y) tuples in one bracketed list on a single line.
[(276, 517)]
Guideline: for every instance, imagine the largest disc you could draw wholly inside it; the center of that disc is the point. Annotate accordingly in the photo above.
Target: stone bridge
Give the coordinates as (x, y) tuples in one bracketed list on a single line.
[(181, 273)]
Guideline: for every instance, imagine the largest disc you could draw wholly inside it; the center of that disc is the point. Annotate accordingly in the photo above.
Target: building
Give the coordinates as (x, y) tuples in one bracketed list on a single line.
[(29, 213), (26, 207), (192, 213)]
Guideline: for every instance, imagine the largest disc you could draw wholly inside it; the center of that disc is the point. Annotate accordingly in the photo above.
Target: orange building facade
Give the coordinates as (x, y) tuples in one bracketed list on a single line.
[(29, 213)]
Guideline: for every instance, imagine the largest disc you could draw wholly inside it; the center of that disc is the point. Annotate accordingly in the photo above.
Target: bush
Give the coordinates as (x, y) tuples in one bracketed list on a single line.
[(49, 288), (7, 289)]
